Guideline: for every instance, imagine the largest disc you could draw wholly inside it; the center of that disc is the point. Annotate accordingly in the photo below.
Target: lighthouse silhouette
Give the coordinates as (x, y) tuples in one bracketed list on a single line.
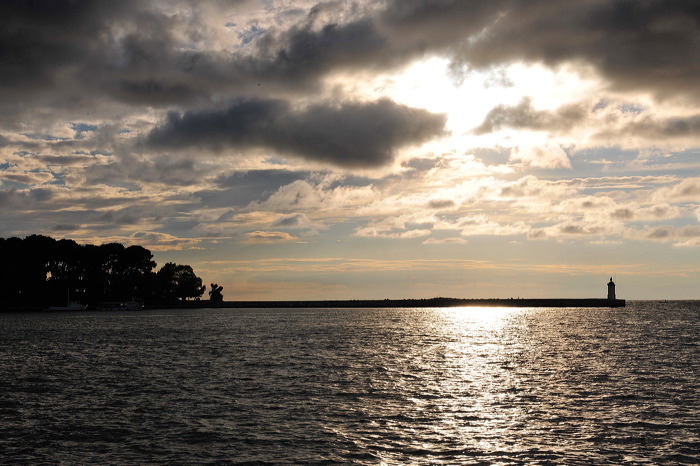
[(611, 290)]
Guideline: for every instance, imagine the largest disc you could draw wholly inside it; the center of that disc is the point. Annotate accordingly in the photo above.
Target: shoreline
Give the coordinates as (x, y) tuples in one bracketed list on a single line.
[(430, 302), (369, 303)]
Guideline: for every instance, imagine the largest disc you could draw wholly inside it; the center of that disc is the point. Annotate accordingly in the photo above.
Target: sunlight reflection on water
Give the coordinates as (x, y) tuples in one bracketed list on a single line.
[(365, 386), (480, 377)]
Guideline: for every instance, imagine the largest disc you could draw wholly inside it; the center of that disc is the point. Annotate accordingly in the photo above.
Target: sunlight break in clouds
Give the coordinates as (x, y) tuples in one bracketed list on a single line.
[(556, 136)]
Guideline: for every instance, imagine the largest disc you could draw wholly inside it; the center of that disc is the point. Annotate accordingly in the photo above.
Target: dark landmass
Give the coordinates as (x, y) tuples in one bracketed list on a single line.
[(39, 272), (432, 302)]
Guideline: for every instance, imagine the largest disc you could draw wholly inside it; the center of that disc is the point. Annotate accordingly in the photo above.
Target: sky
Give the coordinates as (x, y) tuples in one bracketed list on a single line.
[(363, 149)]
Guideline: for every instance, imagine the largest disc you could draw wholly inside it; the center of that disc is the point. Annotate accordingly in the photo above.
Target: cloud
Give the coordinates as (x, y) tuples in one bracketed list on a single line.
[(157, 241), (406, 226), (439, 204), (420, 224), (305, 52), (608, 122), (174, 53), (451, 240), (601, 208), (481, 225), (348, 135), (370, 232), (651, 45), (674, 127), (524, 116), (654, 126), (65, 227), (169, 170), (27, 178), (314, 196), (544, 156), (131, 215), (299, 221), (685, 190), (575, 229), (40, 37), (350, 264), (685, 236), (269, 237), (529, 188)]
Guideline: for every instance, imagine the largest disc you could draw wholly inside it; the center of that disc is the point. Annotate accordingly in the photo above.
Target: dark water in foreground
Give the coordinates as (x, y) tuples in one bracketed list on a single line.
[(365, 386)]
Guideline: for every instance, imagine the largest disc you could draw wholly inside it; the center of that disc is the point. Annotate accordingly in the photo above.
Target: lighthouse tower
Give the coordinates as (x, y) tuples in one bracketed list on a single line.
[(611, 290)]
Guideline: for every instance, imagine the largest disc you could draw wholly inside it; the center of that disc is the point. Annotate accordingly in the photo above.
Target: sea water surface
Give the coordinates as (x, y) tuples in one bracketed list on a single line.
[(353, 386)]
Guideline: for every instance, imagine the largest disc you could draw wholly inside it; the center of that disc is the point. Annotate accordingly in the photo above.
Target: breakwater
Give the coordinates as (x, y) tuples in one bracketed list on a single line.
[(375, 303), (432, 302)]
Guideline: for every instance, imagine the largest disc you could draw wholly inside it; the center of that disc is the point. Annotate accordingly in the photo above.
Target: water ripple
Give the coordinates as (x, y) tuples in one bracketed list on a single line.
[(359, 386)]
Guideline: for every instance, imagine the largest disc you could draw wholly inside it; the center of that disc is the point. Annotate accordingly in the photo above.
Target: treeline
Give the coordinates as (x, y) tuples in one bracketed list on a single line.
[(39, 271)]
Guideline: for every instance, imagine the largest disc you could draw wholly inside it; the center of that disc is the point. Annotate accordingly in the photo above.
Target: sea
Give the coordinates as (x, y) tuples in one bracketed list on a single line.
[(506, 386)]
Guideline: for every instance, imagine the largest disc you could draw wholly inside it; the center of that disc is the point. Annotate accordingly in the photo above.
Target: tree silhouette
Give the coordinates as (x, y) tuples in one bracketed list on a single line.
[(179, 282), (215, 293), (38, 271)]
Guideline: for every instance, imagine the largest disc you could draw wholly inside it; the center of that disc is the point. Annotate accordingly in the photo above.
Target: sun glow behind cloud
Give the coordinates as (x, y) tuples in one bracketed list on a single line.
[(467, 99)]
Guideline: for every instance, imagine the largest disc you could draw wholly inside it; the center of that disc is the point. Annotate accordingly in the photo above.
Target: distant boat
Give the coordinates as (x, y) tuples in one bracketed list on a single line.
[(70, 306), (120, 306)]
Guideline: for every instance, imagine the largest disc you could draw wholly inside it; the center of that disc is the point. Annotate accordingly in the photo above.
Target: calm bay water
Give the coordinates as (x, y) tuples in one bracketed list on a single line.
[(363, 386)]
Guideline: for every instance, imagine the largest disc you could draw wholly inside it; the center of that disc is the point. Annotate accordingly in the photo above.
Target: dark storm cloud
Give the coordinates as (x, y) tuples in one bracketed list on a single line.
[(70, 52), (74, 51), (668, 128), (349, 135), (425, 25), (55, 53), (652, 45), (305, 52), (653, 128), (524, 115), (38, 38)]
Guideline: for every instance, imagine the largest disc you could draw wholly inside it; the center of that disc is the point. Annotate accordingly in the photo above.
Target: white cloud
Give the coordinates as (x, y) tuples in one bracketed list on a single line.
[(481, 225), (684, 190), (543, 156), (311, 196)]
